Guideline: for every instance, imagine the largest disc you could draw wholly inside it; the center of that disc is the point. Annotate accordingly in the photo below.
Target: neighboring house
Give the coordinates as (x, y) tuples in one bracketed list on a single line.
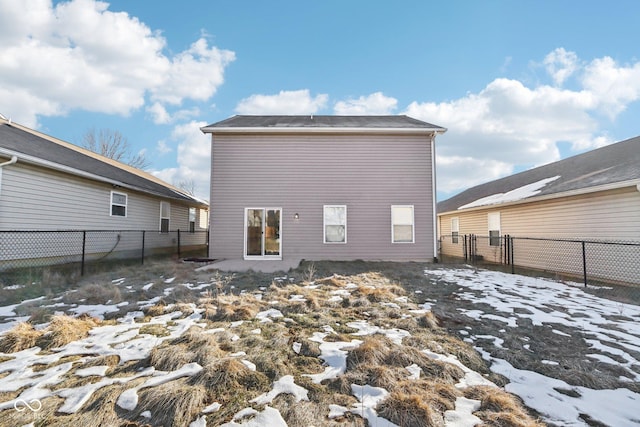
[(322, 188), (591, 196), (49, 184)]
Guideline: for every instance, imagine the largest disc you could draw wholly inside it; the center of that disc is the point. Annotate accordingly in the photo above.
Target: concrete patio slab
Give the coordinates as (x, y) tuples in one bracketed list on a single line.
[(262, 266)]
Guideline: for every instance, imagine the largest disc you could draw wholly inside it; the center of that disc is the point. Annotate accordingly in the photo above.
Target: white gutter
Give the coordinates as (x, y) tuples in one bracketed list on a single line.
[(327, 129), (433, 197), (570, 193), (13, 160)]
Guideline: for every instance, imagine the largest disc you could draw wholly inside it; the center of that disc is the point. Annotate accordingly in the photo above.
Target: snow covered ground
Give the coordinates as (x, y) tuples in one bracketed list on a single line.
[(611, 328)]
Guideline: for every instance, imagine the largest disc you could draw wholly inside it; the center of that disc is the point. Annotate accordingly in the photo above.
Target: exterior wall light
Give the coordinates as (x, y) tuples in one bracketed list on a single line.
[(296, 216)]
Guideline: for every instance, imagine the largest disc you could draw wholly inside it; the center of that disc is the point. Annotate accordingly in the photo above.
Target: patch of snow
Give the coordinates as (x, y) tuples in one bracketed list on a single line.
[(199, 422), (170, 280), (336, 411), (283, 385), (369, 398), (414, 370), (516, 194), (248, 364), (147, 287), (268, 417), (334, 356), (94, 370), (365, 328), (462, 415), (297, 347), (214, 407), (267, 315)]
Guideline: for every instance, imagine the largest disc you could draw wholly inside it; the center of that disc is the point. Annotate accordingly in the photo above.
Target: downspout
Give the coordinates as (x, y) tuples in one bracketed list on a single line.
[(433, 195), (13, 160)]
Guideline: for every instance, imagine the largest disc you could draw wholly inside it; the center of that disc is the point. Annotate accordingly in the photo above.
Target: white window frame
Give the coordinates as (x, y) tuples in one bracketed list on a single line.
[(493, 224), (394, 223), (325, 223), (168, 217), (112, 204), (193, 213), (455, 228)]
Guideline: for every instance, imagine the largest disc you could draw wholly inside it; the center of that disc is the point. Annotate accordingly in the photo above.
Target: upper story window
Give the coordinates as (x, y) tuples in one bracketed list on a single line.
[(165, 216), (335, 224), (402, 230), (118, 204)]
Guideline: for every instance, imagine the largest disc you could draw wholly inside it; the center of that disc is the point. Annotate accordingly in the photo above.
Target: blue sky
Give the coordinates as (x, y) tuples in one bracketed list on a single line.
[(517, 83)]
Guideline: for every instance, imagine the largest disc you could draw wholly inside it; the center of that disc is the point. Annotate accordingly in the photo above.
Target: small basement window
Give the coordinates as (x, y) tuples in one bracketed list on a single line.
[(118, 204)]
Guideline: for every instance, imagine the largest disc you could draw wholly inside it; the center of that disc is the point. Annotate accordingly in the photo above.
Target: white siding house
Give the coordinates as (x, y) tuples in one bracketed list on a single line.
[(322, 188), (48, 184)]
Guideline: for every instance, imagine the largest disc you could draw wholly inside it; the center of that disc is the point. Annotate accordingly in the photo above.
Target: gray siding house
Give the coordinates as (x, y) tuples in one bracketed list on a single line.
[(322, 188), (49, 184)]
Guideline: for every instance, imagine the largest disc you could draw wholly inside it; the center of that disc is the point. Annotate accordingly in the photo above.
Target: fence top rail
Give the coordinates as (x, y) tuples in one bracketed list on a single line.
[(550, 239)]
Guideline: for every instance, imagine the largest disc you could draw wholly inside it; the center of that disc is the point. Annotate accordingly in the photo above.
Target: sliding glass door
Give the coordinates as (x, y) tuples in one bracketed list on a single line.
[(262, 233)]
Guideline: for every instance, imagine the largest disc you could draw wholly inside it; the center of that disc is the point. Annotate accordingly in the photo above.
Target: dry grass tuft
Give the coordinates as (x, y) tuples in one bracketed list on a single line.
[(409, 410), (440, 396), (373, 351), (95, 293), (64, 329), (226, 377), (170, 357), (18, 338), (156, 310), (500, 408), (176, 403), (429, 321)]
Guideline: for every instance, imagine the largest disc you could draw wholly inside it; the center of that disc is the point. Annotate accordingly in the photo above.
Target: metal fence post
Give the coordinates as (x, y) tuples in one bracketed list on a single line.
[(142, 257), (513, 262), (584, 262), (84, 245), (178, 243)]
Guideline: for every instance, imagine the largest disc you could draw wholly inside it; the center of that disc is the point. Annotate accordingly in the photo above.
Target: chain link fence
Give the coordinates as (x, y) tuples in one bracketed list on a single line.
[(79, 249), (615, 262)]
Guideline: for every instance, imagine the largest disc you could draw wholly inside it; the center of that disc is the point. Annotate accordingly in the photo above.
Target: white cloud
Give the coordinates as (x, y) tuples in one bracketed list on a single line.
[(375, 104), (560, 65), (80, 55), (508, 126), (193, 157), (285, 102)]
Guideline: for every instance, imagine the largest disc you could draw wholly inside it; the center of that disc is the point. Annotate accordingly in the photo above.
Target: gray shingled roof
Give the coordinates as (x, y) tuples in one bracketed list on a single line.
[(313, 121), (611, 164), (23, 142)]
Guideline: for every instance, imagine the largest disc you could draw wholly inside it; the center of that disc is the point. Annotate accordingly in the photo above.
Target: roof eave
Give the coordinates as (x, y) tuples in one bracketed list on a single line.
[(322, 130), (77, 172), (570, 193)]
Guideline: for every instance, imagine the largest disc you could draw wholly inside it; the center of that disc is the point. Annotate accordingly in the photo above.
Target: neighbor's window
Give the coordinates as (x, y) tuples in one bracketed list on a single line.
[(165, 215), (204, 218), (192, 220), (493, 219), (118, 204), (455, 230), (402, 224), (335, 224)]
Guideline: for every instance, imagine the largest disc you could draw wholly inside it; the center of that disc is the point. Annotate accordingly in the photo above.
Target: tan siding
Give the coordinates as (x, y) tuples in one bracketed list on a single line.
[(300, 174), (609, 215)]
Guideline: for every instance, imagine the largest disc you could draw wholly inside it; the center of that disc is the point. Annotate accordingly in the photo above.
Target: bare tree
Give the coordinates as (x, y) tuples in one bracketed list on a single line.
[(187, 185), (112, 144)]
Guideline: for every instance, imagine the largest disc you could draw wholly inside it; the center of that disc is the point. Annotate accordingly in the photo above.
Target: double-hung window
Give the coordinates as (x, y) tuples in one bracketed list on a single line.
[(192, 220), (335, 224), (402, 224), (493, 219), (165, 216), (455, 230), (118, 204)]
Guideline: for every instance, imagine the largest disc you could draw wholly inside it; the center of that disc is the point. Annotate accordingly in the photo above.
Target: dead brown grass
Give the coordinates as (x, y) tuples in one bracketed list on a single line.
[(373, 351), (409, 410), (499, 408), (94, 293), (20, 337), (175, 403), (64, 329)]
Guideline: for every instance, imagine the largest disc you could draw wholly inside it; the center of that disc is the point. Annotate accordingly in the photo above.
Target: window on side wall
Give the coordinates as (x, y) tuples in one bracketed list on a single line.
[(335, 224), (455, 230), (494, 228), (165, 216), (192, 220), (402, 225), (118, 204)]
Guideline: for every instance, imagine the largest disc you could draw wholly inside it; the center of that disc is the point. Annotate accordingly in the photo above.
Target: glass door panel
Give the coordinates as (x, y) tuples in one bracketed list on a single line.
[(272, 233), (254, 231)]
